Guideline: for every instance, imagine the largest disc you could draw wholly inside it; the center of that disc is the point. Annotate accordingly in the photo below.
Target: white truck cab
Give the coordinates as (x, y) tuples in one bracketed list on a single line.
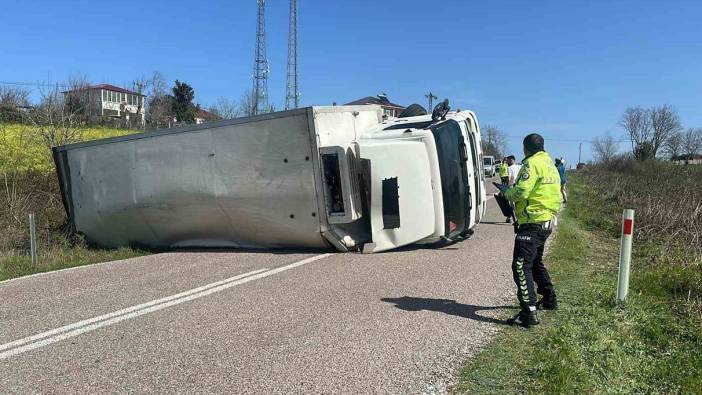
[(314, 177)]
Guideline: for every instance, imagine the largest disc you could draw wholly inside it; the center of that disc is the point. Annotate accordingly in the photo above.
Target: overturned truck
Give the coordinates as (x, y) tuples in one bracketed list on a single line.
[(315, 177)]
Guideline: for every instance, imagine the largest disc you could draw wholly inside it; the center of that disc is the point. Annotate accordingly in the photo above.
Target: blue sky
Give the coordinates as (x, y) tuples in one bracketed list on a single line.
[(564, 68)]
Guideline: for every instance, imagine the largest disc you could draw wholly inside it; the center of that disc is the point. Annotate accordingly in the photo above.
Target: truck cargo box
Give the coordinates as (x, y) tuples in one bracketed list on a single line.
[(246, 182)]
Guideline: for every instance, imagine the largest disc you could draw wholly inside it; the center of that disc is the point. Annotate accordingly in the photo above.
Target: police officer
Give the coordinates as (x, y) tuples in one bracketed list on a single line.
[(536, 195), (503, 171)]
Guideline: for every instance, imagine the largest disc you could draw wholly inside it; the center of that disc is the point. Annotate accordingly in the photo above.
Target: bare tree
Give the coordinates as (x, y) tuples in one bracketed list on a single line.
[(692, 141), (494, 141), (650, 129), (226, 109), (247, 104), (674, 145), (159, 104), (59, 117), (140, 85), (13, 101), (77, 99), (637, 124), (665, 122), (158, 85), (605, 148)]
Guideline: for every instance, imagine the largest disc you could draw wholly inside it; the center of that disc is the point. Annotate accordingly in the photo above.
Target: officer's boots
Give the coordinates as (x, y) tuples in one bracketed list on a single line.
[(525, 318), (548, 302)]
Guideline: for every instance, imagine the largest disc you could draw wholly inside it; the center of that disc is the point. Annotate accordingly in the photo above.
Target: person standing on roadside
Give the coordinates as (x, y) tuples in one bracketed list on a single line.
[(536, 196), (504, 176), (560, 165), (512, 170)]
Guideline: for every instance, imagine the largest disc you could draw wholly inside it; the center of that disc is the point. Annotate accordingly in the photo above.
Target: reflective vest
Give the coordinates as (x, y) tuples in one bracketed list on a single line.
[(537, 191), (503, 169)]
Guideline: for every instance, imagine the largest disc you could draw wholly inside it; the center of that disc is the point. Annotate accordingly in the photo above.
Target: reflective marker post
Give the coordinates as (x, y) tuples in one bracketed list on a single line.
[(33, 239), (625, 254)]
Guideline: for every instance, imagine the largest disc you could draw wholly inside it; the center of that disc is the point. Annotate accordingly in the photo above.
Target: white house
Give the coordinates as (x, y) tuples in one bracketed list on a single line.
[(694, 159), (105, 100)]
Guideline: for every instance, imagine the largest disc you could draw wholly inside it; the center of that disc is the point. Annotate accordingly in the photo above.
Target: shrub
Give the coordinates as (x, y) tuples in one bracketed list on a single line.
[(667, 199)]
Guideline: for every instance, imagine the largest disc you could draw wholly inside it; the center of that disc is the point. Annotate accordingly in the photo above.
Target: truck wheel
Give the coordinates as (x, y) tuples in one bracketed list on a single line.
[(414, 110)]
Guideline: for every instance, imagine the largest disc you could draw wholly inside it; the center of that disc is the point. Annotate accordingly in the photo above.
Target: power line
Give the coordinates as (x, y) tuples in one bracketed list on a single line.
[(35, 84), (568, 140)]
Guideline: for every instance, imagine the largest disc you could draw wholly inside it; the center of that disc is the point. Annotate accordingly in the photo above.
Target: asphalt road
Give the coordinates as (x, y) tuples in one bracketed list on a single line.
[(258, 322)]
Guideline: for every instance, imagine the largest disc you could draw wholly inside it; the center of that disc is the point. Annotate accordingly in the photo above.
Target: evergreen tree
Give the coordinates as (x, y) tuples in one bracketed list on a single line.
[(183, 108)]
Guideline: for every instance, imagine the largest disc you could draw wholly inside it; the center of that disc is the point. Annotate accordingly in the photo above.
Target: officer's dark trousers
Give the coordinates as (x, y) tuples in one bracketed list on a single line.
[(528, 265)]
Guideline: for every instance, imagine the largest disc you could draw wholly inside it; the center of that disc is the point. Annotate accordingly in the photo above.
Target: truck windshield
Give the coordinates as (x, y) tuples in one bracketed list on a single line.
[(454, 178), (487, 161)]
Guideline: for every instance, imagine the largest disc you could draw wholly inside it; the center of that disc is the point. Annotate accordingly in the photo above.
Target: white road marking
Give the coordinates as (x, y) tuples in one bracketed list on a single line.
[(88, 321), (65, 332)]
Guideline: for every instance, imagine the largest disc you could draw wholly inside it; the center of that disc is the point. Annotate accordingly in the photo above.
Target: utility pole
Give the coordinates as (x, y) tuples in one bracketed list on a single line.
[(580, 153), (292, 92), (260, 76), (431, 98)]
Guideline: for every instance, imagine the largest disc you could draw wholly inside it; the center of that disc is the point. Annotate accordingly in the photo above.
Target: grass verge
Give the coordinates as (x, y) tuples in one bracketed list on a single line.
[(61, 258), (652, 344)]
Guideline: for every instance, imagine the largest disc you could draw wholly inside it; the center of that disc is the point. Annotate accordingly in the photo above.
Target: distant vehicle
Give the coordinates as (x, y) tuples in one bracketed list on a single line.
[(338, 177), (580, 166), (489, 165)]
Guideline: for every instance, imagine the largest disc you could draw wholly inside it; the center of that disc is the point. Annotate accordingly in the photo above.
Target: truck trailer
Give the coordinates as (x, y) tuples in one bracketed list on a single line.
[(341, 177)]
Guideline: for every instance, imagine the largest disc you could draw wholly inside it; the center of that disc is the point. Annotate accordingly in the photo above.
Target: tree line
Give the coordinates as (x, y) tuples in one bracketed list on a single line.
[(164, 105), (654, 132)]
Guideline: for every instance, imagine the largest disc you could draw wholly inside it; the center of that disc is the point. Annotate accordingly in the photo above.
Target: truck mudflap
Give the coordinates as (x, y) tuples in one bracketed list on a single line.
[(401, 202)]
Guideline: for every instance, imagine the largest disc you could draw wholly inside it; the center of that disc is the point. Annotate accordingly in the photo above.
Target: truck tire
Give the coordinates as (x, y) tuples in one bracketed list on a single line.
[(413, 110)]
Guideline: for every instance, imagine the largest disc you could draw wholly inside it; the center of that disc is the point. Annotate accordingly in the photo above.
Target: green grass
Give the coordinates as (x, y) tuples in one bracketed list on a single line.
[(652, 344), (60, 258)]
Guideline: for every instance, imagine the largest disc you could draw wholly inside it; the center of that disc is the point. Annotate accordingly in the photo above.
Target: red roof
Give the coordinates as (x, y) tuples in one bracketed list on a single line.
[(109, 87), (204, 114)]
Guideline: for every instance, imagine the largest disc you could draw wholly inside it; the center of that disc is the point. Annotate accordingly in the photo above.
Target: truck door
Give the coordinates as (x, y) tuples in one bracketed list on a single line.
[(472, 170), (401, 195), (478, 174)]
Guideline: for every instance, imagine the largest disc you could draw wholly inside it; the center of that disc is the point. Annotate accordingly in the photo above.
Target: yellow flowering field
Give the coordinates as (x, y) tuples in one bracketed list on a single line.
[(23, 148)]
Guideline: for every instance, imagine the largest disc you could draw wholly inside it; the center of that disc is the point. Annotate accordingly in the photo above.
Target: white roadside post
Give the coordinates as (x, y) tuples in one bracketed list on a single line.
[(33, 239), (625, 255)]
